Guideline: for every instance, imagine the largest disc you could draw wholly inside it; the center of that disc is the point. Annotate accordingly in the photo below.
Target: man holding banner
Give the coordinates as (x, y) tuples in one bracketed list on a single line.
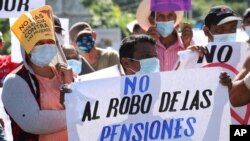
[(138, 55), (240, 89), (31, 96), (161, 19), (222, 51), (220, 26)]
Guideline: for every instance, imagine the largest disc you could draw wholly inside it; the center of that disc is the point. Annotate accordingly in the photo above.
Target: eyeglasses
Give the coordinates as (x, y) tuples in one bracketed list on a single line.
[(133, 59)]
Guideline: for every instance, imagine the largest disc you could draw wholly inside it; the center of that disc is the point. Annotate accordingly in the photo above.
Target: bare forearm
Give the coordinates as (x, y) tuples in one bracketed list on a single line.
[(239, 94)]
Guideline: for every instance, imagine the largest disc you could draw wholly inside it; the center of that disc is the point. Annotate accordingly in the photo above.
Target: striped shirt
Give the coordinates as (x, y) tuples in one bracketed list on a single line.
[(168, 57)]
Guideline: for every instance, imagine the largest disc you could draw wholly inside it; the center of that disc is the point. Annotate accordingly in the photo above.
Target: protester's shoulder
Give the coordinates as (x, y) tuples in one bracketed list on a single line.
[(13, 80), (109, 52)]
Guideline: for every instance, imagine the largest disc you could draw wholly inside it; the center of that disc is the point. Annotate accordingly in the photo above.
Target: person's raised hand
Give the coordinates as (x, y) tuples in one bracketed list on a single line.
[(65, 72), (226, 80), (199, 49), (186, 34), (153, 32)]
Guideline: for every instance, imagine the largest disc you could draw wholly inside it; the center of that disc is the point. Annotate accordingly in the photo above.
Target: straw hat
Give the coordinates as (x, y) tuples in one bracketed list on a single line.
[(143, 13)]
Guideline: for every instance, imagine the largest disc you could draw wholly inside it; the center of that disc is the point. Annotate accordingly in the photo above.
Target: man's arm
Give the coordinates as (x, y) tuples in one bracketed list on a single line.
[(23, 108), (240, 93)]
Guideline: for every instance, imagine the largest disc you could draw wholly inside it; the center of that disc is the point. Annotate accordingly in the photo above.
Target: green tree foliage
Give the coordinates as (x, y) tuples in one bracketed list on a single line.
[(106, 14), (5, 29), (201, 7)]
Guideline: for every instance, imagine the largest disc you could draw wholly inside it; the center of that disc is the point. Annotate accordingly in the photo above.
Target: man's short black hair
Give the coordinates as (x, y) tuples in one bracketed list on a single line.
[(128, 44), (136, 28)]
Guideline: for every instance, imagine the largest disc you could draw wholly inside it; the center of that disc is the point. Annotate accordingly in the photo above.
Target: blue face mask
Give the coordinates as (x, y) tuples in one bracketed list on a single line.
[(165, 28), (247, 29), (42, 55), (225, 37), (75, 65), (148, 65), (85, 43)]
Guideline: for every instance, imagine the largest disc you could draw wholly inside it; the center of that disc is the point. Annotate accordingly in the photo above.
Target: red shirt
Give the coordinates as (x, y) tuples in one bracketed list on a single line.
[(6, 66)]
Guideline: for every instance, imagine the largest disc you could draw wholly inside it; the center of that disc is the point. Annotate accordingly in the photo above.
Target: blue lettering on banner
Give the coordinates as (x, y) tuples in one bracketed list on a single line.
[(155, 130), (131, 85), (189, 120)]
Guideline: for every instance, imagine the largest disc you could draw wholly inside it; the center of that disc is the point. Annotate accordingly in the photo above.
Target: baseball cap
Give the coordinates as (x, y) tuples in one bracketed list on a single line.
[(76, 28), (57, 23), (84, 31), (219, 15), (246, 14)]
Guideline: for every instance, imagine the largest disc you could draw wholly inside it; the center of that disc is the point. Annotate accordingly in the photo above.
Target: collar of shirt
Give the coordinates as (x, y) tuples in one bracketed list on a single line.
[(177, 44)]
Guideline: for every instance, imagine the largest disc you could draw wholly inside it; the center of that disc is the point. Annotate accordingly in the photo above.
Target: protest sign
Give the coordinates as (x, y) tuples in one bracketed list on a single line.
[(14, 8), (229, 56), (178, 105), (16, 55), (112, 71), (170, 5), (33, 26)]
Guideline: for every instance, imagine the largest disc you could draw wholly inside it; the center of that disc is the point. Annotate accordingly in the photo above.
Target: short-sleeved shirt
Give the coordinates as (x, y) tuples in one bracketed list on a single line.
[(107, 58)]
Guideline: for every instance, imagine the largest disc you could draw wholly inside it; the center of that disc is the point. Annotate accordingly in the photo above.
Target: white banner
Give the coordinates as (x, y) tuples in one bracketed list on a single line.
[(229, 56), (179, 105), (14, 8)]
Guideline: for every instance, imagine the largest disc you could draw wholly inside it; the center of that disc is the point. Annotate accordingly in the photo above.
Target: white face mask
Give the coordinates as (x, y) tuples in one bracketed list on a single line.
[(148, 65), (42, 55), (165, 28), (225, 37), (60, 39), (247, 30)]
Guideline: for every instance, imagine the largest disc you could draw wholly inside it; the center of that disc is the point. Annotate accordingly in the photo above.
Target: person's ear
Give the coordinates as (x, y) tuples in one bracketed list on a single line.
[(125, 63), (242, 26), (74, 44), (206, 31), (175, 17), (151, 20), (94, 34)]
